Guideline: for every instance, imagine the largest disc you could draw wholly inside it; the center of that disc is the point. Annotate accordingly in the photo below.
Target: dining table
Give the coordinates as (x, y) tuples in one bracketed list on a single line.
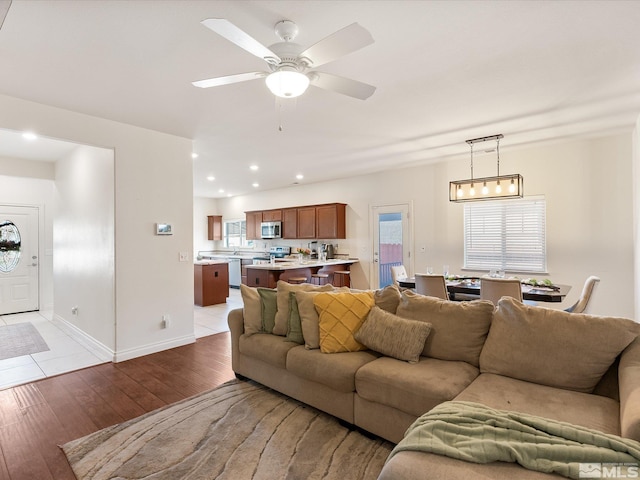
[(467, 288)]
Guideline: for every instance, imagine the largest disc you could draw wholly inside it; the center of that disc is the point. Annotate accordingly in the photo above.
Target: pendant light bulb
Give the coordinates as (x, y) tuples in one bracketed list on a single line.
[(485, 189), (498, 187), (472, 191), (460, 191), (512, 187)]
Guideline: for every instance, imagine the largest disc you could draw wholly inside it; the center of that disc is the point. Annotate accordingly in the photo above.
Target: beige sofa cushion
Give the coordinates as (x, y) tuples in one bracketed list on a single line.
[(585, 409), (266, 347), (341, 314), (336, 371), (283, 289), (553, 347), (459, 329), (251, 309), (413, 388), (393, 336)]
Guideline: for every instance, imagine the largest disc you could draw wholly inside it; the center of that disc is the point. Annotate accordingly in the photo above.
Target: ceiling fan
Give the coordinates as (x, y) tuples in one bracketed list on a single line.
[(291, 67)]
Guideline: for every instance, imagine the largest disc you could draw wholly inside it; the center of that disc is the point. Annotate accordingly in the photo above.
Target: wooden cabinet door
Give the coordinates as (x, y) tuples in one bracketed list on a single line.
[(307, 222), (290, 223), (214, 223), (254, 219), (331, 221), (272, 216)]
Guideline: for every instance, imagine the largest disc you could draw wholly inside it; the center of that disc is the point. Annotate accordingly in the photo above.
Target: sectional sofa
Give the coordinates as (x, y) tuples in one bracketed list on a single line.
[(381, 359)]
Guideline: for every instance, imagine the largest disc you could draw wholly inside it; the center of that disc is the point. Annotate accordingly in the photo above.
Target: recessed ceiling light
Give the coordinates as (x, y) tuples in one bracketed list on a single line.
[(299, 176), (29, 136), (211, 178), (194, 155), (255, 184), (221, 190), (254, 167), (228, 194)]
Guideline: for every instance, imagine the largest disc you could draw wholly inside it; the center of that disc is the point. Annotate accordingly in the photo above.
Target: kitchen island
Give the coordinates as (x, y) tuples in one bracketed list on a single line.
[(211, 282), (267, 275)]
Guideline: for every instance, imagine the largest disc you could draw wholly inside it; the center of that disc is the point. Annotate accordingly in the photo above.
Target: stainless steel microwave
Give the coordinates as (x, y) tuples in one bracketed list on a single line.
[(271, 230)]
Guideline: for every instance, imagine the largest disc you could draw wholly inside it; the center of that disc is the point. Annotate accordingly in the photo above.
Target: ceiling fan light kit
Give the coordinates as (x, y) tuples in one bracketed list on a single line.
[(487, 188), (288, 63)]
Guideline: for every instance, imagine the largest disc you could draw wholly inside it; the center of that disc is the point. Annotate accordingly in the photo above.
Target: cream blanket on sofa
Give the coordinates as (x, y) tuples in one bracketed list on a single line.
[(476, 433)]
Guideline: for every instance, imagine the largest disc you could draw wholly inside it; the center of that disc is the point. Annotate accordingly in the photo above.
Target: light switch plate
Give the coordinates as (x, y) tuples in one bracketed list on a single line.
[(184, 257)]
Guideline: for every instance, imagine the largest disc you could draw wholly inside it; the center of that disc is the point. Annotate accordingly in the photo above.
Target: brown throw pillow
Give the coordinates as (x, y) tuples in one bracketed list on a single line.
[(458, 330), (553, 347), (393, 336)]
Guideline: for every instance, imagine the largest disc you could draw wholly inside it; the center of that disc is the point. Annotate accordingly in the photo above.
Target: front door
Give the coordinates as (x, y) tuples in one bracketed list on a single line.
[(18, 259), (391, 241)]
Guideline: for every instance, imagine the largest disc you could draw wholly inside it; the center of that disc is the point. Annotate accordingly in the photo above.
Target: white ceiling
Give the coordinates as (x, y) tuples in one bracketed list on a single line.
[(445, 71)]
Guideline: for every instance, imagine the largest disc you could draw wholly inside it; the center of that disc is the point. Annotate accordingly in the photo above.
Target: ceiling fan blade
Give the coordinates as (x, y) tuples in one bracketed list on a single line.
[(349, 39), (4, 9), (229, 79), (228, 30), (345, 86)]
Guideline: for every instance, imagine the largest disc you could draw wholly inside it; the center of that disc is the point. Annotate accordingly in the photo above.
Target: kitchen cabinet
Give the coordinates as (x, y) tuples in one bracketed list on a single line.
[(290, 223), (307, 222), (254, 219), (331, 221), (214, 223), (272, 215), (211, 283)]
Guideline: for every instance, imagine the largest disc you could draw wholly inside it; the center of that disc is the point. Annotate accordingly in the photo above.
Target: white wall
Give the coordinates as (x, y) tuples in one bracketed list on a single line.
[(202, 207), (83, 243), (19, 187), (153, 183), (587, 184), (636, 215)]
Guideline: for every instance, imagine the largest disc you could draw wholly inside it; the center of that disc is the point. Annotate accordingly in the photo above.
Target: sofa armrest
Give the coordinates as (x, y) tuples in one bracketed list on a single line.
[(235, 320), (629, 381)]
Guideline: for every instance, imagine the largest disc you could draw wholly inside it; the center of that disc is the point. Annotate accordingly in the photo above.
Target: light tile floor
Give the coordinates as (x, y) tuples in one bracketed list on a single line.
[(67, 353)]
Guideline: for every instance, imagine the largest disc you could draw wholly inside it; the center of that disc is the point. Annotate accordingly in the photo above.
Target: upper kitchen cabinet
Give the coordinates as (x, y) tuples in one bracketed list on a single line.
[(307, 222), (272, 215), (290, 223), (254, 219), (214, 224), (331, 221)]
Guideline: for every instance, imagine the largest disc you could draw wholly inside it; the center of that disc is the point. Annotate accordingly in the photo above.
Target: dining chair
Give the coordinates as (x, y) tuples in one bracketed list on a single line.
[(431, 285), (494, 289), (398, 272), (587, 292)]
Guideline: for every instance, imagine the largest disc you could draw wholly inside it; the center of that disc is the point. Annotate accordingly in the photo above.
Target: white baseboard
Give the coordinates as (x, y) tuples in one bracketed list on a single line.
[(130, 353), (97, 348), (107, 354)]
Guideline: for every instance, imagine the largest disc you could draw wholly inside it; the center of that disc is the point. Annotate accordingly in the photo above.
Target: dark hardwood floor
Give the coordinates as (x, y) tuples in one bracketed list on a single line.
[(38, 417)]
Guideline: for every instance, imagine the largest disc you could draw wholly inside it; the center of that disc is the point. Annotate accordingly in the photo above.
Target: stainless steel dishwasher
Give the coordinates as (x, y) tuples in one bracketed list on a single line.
[(235, 272)]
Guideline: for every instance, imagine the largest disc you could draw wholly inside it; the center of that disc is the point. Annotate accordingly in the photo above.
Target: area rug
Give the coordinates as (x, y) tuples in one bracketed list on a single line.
[(240, 430), (20, 339)]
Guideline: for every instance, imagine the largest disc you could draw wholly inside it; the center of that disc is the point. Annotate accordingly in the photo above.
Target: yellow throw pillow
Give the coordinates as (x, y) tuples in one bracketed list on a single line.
[(341, 315)]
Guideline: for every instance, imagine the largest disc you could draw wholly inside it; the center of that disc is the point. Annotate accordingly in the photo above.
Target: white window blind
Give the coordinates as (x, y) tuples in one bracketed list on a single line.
[(506, 235)]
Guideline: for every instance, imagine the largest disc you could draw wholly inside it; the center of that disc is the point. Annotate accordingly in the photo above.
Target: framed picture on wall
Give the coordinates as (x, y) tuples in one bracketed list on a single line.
[(163, 229)]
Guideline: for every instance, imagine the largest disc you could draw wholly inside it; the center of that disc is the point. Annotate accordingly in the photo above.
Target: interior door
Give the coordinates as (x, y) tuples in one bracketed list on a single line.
[(391, 241), (19, 270)]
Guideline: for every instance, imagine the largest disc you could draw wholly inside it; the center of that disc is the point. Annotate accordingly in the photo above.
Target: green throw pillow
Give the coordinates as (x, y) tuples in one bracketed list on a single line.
[(269, 306), (294, 328)]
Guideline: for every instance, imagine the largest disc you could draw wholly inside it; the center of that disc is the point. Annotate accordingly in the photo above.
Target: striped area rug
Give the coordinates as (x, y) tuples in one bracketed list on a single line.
[(240, 430)]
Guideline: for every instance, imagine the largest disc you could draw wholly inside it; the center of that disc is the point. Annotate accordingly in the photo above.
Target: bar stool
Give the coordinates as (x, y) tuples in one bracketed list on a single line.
[(297, 280), (342, 278), (319, 278)]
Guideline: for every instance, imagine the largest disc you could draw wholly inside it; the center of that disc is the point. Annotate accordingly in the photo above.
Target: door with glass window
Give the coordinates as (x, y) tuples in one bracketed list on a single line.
[(18, 259), (391, 244)]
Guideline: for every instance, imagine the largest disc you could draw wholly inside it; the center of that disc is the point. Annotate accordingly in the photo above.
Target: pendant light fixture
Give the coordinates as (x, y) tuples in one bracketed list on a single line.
[(487, 188)]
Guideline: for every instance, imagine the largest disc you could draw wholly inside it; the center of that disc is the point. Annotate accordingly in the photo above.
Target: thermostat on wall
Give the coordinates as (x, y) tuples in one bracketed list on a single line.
[(163, 229)]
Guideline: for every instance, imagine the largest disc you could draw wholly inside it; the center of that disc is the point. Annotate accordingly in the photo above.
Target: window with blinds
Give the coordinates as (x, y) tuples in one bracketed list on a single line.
[(505, 235)]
